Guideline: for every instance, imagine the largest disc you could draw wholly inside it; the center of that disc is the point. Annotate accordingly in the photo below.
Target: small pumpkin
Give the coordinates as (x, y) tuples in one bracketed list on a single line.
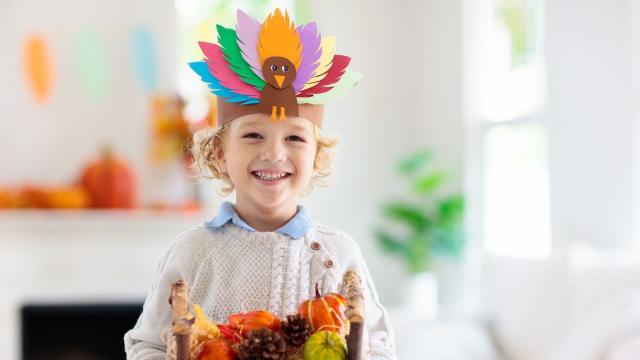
[(253, 320), (324, 312), (110, 182), (216, 350), (325, 345), (230, 334)]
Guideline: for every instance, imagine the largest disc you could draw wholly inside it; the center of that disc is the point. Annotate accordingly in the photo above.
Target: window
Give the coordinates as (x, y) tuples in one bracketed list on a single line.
[(506, 98), (515, 190)]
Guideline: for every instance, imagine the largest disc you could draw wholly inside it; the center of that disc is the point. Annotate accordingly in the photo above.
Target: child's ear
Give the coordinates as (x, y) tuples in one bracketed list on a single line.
[(218, 153)]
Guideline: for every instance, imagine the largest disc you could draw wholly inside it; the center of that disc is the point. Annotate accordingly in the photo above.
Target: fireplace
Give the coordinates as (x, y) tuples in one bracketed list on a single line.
[(76, 331)]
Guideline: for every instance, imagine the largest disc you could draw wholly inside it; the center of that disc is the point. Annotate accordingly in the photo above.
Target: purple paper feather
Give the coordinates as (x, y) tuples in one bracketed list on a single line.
[(311, 53), (247, 31)]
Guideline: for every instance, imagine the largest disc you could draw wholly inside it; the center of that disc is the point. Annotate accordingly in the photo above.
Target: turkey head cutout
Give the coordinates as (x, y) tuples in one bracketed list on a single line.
[(278, 97)]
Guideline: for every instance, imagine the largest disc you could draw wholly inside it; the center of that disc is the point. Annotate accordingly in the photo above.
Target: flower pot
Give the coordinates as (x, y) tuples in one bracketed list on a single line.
[(421, 294)]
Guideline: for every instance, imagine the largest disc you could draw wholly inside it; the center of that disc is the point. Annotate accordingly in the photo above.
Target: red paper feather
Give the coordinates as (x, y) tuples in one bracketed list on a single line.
[(338, 67)]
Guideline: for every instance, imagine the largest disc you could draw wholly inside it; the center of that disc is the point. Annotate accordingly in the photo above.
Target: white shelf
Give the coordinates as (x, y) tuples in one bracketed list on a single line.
[(98, 219)]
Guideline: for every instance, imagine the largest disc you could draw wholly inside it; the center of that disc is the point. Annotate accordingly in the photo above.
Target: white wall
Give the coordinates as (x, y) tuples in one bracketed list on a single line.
[(590, 120), (635, 61)]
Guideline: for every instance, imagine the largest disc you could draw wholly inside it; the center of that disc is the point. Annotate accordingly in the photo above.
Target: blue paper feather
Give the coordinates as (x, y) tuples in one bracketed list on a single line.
[(201, 68)]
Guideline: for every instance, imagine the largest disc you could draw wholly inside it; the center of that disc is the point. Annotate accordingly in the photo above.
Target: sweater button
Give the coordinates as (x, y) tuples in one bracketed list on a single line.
[(315, 245), (328, 263)]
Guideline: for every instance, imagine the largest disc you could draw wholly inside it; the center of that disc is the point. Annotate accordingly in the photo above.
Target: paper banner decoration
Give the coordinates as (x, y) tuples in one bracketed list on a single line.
[(91, 63), (145, 58), (38, 67)]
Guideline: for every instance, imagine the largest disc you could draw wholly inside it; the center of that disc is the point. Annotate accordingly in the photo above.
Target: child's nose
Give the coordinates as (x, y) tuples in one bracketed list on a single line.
[(273, 151)]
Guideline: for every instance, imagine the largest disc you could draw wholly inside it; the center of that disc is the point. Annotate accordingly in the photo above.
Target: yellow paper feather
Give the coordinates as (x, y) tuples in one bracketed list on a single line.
[(278, 37), (328, 45)]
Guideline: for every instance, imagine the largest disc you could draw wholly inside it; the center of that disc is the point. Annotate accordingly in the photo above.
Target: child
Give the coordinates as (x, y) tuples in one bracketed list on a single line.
[(264, 251)]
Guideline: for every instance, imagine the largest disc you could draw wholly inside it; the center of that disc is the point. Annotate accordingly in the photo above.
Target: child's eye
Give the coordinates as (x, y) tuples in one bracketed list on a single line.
[(253, 136), (295, 138)]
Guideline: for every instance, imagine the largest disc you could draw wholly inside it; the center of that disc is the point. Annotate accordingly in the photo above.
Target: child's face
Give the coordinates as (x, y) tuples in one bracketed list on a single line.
[(268, 162)]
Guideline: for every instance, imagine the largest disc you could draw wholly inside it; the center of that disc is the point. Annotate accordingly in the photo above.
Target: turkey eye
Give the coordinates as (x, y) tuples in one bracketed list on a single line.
[(285, 68), (274, 68)]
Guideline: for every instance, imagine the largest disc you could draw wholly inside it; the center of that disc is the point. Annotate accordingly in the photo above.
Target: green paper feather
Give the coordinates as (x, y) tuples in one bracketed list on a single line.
[(348, 80), (228, 41)]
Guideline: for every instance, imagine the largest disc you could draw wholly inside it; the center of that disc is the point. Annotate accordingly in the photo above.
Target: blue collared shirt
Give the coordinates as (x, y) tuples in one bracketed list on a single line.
[(295, 228)]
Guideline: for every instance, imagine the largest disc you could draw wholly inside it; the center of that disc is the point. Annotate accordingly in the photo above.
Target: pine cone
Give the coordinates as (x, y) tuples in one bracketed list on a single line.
[(262, 344), (296, 330)]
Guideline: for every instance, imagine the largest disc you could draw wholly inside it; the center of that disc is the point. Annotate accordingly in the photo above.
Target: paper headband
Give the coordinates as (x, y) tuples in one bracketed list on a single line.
[(273, 68)]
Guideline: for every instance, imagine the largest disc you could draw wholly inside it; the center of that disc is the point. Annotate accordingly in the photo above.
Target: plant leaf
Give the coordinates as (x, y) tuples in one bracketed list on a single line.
[(429, 183), (449, 241), (389, 243), (451, 209), (418, 253), (415, 162), (408, 214)]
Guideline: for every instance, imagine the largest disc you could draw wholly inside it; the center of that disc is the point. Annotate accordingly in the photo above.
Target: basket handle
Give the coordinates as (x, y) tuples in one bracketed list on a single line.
[(352, 286), (181, 323)]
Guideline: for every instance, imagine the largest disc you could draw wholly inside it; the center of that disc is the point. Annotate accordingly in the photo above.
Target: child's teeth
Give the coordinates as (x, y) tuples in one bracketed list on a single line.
[(264, 176)]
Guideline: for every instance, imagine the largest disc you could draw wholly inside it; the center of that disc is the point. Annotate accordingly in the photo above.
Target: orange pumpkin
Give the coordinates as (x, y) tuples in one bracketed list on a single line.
[(216, 350), (253, 320), (110, 182), (324, 312), (230, 334)]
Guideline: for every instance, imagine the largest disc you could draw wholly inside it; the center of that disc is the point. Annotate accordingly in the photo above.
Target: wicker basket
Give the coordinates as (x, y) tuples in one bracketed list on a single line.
[(181, 345)]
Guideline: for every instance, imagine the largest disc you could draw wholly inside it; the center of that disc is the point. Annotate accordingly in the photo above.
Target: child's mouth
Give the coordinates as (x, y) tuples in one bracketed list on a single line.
[(270, 178)]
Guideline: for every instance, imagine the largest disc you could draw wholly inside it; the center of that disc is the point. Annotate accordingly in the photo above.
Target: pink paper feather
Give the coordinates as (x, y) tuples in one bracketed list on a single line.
[(219, 68)]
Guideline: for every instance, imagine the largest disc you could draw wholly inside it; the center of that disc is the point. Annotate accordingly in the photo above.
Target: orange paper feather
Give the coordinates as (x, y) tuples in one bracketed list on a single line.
[(278, 37)]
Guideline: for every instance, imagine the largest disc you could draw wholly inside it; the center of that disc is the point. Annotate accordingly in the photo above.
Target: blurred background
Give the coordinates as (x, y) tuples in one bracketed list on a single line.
[(488, 167)]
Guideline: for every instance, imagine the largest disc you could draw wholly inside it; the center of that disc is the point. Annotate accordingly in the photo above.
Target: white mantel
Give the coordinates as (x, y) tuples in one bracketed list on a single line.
[(78, 257)]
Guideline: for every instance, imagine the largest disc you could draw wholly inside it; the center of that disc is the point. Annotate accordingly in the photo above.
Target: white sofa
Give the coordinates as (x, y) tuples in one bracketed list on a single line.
[(582, 305)]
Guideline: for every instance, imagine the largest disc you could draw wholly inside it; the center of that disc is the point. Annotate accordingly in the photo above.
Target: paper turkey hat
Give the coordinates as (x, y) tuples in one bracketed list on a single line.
[(273, 68)]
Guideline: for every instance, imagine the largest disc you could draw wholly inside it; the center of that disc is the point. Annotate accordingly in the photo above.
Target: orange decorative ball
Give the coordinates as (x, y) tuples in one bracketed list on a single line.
[(216, 350), (110, 183), (324, 313)]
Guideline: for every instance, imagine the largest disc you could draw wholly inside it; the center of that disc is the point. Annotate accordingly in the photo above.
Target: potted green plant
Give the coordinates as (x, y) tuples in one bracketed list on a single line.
[(422, 225)]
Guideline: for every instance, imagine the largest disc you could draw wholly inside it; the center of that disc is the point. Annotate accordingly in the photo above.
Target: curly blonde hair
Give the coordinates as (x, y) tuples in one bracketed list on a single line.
[(206, 150)]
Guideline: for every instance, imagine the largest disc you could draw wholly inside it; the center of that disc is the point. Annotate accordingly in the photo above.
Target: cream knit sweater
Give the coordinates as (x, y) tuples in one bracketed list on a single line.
[(231, 270)]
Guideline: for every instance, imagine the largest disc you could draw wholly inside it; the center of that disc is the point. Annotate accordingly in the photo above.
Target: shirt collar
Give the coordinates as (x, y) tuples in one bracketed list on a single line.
[(296, 228)]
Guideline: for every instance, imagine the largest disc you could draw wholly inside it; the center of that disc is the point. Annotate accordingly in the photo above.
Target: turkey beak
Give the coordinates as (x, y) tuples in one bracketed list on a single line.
[(279, 80)]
